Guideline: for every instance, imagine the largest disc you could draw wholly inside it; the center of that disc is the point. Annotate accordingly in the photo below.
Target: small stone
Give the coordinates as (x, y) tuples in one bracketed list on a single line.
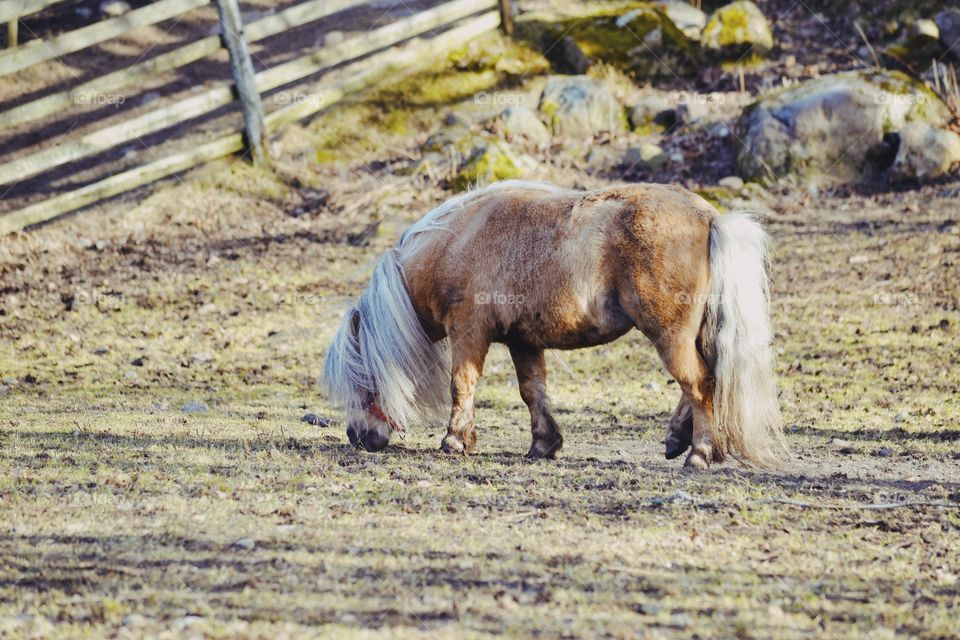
[(195, 406), (138, 362), (202, 357), (859, 259), (652, 386), (885, 452), (207, 308), (681, 620), (183, 623), (316, 421), (134, 620), (734, 183), (244, 544)]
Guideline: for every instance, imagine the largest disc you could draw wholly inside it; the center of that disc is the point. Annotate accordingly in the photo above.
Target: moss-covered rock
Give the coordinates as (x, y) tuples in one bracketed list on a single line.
[(738, 29), (841, 127), (639, 39), (489, 162), (581, 106)]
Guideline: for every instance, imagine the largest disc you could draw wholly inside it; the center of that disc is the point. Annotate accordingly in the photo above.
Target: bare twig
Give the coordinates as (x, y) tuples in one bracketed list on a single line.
[(873, 52)]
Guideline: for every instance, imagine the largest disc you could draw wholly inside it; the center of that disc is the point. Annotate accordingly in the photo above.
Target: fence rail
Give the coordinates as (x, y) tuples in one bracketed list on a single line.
[(463, 20)]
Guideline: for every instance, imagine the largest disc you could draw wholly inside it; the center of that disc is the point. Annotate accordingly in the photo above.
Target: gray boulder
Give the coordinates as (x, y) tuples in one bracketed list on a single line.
[(842, 127), (735, 28), (521, 123), (580, 106)]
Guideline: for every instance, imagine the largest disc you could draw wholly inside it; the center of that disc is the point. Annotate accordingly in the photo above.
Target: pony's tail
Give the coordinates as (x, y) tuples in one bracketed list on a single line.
[(737, 336), (382, 354)]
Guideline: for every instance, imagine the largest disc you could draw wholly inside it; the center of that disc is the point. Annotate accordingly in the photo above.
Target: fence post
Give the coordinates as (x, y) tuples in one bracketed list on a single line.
[(506, 16), (231, 32), (12, 35)]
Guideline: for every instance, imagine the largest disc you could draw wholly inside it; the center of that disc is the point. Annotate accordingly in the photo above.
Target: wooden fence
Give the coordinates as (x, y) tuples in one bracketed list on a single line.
[(373, 56)]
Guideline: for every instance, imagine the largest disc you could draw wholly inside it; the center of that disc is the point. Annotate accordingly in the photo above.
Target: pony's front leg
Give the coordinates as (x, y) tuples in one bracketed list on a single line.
[(468, 352), (532, 378), (679, 430)]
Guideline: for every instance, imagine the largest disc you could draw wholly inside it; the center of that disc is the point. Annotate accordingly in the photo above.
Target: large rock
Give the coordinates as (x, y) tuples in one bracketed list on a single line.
[(580, 106), (738, 28), (842, 127)]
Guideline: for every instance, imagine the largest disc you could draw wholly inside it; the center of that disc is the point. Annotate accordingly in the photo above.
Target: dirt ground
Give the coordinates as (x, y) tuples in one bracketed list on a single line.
[(158, 353)]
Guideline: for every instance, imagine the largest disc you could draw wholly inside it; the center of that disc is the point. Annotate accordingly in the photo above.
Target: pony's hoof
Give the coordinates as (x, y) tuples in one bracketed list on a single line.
[(696, 462), (541, 449), (453, 445)]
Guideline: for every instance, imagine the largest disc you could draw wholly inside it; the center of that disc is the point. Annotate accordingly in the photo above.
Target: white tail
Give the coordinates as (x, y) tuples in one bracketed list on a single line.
[(737, 334)]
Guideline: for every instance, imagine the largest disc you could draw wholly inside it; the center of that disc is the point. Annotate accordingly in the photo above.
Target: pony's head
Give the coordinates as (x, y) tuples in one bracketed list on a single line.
[(382, 368), (351, 383)]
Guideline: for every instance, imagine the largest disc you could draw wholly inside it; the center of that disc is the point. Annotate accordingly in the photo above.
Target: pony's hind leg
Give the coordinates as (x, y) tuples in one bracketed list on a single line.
[(532, 378), (684, 363), (468, 351)]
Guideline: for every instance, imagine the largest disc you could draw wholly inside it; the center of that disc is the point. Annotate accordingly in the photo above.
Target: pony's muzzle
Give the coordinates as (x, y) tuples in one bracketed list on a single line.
[(366, 439)]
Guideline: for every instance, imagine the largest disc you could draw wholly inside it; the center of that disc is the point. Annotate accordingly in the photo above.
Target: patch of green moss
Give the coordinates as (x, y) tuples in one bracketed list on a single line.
[(488, 164)]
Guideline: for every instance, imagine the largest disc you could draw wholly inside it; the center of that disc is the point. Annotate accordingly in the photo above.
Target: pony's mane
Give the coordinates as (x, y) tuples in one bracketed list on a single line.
[(438, 219), (381, 349)]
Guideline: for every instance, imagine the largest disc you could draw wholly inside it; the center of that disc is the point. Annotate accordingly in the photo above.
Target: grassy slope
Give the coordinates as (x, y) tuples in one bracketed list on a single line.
[(122, 512)]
